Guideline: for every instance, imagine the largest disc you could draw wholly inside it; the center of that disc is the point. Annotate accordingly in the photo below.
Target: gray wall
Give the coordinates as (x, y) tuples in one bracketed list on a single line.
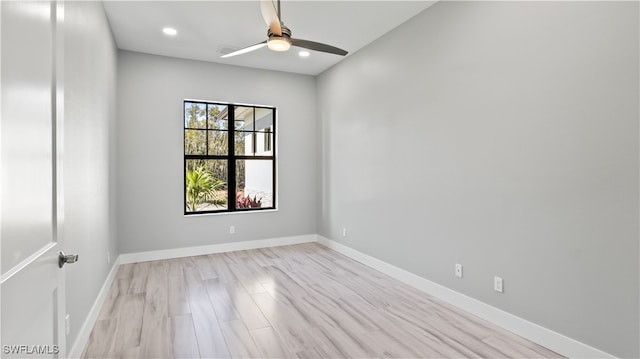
[(89, 155), (150, 151), (502, 136)]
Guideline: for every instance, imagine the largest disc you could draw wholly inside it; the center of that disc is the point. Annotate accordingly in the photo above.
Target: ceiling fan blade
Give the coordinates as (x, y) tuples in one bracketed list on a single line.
[(246, 49), (270, 16), (312, 45)]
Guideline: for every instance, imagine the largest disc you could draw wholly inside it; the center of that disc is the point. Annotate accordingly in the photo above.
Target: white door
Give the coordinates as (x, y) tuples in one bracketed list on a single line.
[(31, 285)]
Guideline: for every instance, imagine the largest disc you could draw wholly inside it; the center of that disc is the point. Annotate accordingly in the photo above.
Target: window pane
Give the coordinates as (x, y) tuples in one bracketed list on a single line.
[(254, 183), (218, 142), (195, 115), (195, 142), (264, 118), (206, 185), (244, 118), (244, 143), (218, 119), (264, 142)]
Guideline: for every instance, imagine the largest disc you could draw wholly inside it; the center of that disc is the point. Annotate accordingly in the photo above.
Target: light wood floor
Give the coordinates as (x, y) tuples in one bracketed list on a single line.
[(303, 301)]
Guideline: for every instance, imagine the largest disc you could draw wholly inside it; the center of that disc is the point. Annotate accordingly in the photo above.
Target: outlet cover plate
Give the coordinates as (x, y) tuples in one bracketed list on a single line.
[(498, 284)]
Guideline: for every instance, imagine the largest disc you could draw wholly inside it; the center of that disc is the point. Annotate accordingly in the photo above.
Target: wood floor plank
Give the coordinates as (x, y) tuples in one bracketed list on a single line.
[(288, 323), (129, 324), (335, 344), (139, 278), (183, 337), (205, 267), (257, 270), (302, 301), (522, 348), (308, 354), (259, 257), (327, 314), (114, 296), (131, 306), (221, 300), (124, 353), (239, 340), (155, 337), (247, 308), (125, 271), (221, 266), (386, 347), (359, 311), (286, 283), (101, 339), (209, 336), (128, 334), (393, 330), (177, 295), (269, 343), (246, 277), (285, 262)]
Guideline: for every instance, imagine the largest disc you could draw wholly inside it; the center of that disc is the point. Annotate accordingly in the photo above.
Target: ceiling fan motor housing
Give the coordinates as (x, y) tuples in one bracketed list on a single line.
[(286, 32)]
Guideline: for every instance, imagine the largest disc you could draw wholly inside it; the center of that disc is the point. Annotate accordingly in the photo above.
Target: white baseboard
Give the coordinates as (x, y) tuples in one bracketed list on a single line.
[(549, 339), (213, 248), (90, 321)]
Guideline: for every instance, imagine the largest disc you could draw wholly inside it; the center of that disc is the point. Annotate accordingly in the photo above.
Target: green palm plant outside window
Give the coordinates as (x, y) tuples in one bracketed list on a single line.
[(201, 187)]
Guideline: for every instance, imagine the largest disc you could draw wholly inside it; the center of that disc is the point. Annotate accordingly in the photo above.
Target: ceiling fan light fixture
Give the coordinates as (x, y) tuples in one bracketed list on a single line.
[(279, 43)]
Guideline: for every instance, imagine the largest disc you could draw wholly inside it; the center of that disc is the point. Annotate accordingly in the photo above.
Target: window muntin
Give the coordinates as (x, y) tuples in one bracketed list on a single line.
[(211, 159)]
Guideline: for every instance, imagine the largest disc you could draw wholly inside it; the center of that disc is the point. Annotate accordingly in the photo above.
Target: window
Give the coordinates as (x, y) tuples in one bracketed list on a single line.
[(223, 175)]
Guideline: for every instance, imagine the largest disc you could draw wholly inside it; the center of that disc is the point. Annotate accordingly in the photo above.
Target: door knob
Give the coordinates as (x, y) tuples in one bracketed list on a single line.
[(66, 258)]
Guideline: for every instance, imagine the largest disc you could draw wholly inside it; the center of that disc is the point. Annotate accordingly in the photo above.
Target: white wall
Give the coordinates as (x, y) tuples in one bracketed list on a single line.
[(150, 151), (89, 155), (502, 136)]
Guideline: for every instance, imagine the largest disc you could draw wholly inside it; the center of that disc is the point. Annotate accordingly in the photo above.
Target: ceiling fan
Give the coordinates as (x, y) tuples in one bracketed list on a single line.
[(279, 36)]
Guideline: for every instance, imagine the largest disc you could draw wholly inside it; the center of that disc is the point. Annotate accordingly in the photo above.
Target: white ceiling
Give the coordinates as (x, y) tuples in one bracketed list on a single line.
[(204, 27)]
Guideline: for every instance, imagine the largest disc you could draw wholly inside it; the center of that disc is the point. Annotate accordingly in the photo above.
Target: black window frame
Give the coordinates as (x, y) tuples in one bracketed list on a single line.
[(230, 157)]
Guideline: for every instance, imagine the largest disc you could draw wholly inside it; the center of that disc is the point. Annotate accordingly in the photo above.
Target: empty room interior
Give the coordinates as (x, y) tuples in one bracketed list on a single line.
[(320, 179)]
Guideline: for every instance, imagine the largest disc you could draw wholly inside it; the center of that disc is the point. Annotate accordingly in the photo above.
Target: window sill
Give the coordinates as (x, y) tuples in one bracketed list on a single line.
[(228, 213)]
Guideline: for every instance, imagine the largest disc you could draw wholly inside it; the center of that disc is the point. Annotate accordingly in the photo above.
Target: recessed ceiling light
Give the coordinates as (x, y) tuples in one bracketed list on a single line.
[(170, 31), (304, 53)]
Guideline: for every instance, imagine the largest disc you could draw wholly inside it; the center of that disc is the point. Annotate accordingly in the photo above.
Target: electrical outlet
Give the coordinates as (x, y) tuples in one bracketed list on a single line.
[(232, 229), (344, 231), (459, 270), (67, 324), (498, 284)]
